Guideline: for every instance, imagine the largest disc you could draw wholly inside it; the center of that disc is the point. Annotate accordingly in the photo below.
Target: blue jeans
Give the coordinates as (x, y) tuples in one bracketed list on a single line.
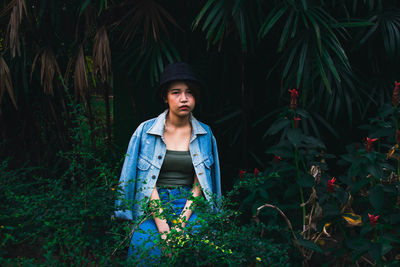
[(142, 244)]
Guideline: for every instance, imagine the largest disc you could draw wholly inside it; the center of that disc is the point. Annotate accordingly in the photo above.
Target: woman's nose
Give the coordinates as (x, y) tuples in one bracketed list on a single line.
[(183, 97)]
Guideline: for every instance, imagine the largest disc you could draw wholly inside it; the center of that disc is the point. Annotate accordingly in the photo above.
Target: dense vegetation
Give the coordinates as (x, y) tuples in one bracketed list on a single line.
[(76, 78)]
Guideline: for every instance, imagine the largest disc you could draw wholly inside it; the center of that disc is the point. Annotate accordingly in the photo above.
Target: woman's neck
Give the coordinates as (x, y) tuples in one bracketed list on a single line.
[(176, 121)]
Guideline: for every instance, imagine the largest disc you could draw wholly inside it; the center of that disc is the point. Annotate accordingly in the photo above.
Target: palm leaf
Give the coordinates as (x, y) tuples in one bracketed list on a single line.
[(13, 26), (102, 54), (145, 18), (6, 82), (80, 76)]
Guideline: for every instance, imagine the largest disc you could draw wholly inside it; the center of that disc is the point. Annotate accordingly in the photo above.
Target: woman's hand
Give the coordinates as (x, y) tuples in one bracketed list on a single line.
[(164, 236)]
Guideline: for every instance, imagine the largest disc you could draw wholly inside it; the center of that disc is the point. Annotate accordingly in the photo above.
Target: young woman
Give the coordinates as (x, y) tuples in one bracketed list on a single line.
[(167, 158)]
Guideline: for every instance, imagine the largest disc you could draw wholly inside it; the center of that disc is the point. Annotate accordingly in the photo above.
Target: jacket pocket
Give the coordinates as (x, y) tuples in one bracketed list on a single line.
[(143, 164), (209, 161)]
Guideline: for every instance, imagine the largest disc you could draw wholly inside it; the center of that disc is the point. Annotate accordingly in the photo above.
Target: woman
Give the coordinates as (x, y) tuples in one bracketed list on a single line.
[(167, 157)]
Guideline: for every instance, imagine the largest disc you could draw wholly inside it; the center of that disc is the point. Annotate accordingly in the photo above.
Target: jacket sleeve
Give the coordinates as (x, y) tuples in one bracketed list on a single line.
[(216, 177), (127, 181)]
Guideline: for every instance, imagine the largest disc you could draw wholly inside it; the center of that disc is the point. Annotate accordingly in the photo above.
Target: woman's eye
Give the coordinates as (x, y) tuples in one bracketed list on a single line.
[(189, 92)]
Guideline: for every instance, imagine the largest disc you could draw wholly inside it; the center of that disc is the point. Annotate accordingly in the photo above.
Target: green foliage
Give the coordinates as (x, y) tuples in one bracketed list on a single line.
[(215, 239), (61, 215), (351, 219)]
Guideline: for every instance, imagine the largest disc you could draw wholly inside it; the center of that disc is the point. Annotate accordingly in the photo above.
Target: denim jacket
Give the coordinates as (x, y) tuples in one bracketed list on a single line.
[(145, 156)]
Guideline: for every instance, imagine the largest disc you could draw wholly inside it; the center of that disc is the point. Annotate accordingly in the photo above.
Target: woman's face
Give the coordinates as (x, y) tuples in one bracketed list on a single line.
[(180, 99)]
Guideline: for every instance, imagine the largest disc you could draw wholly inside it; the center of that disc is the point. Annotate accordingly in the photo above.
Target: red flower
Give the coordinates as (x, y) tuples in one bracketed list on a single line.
[(294, 94), (256, 172), (370, 143), (296, 122), (373, 219), (242, 173), (396, 94), (277, 159), (331, 185)]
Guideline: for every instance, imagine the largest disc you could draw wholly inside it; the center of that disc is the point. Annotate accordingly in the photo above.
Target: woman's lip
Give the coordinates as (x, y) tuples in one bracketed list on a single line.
[(184, 107)]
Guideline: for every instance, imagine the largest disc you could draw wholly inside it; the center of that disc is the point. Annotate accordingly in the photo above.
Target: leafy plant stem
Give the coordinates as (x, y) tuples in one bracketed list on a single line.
[(398, 167), (296, 157)]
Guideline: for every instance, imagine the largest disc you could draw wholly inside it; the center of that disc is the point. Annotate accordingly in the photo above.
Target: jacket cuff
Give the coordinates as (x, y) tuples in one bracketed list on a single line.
[(123, 214)]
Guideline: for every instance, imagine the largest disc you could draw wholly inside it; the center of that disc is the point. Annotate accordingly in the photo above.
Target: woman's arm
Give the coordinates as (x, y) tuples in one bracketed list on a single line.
[(162, 225), (187, 211)]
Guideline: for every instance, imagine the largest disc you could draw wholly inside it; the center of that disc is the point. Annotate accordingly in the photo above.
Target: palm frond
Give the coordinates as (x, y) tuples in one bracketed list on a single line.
[(151, 60), (102, 54), (80, 76), (13, 26), (7, 8), (48, 68), (145, 18), (220, 18), (6, 82)]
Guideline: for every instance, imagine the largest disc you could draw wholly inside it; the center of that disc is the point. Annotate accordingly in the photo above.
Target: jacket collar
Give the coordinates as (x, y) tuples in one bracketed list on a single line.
[(158, 127)]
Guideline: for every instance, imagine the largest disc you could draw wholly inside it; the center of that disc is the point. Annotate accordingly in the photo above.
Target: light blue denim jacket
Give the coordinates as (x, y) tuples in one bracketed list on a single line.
[(145, 156)]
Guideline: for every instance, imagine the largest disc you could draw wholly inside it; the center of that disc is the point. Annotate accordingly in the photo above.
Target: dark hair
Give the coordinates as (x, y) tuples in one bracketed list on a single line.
[(193, 86)]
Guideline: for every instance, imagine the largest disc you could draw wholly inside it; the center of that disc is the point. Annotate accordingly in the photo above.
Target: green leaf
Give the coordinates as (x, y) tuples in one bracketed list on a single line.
[(306, 180), (391, 238), (375, 170), (201, 14), (376, 197), (313, 142), (303, 56), (284, 151), (292, 190), (275, 15), (84, 6), (310, 245), (213, 13), (386, 247), (323, 74), (277, 126), (352, 24), (376, 252), (295, 136)]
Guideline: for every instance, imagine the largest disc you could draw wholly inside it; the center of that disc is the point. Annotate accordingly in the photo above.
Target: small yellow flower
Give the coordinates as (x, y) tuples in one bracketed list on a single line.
[(174, 221), (92, 217), (258, 259), (112, 188), (230, 251), (322, 160), (2, 227)]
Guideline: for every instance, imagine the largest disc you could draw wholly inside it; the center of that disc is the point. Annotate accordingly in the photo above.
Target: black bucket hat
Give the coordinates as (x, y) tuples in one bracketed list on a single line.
[(177, 71)]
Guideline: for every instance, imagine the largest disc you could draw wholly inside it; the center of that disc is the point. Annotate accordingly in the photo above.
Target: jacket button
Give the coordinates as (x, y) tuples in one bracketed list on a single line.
[(194, 155), (154, 177), (159, 157), (200, 173)]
